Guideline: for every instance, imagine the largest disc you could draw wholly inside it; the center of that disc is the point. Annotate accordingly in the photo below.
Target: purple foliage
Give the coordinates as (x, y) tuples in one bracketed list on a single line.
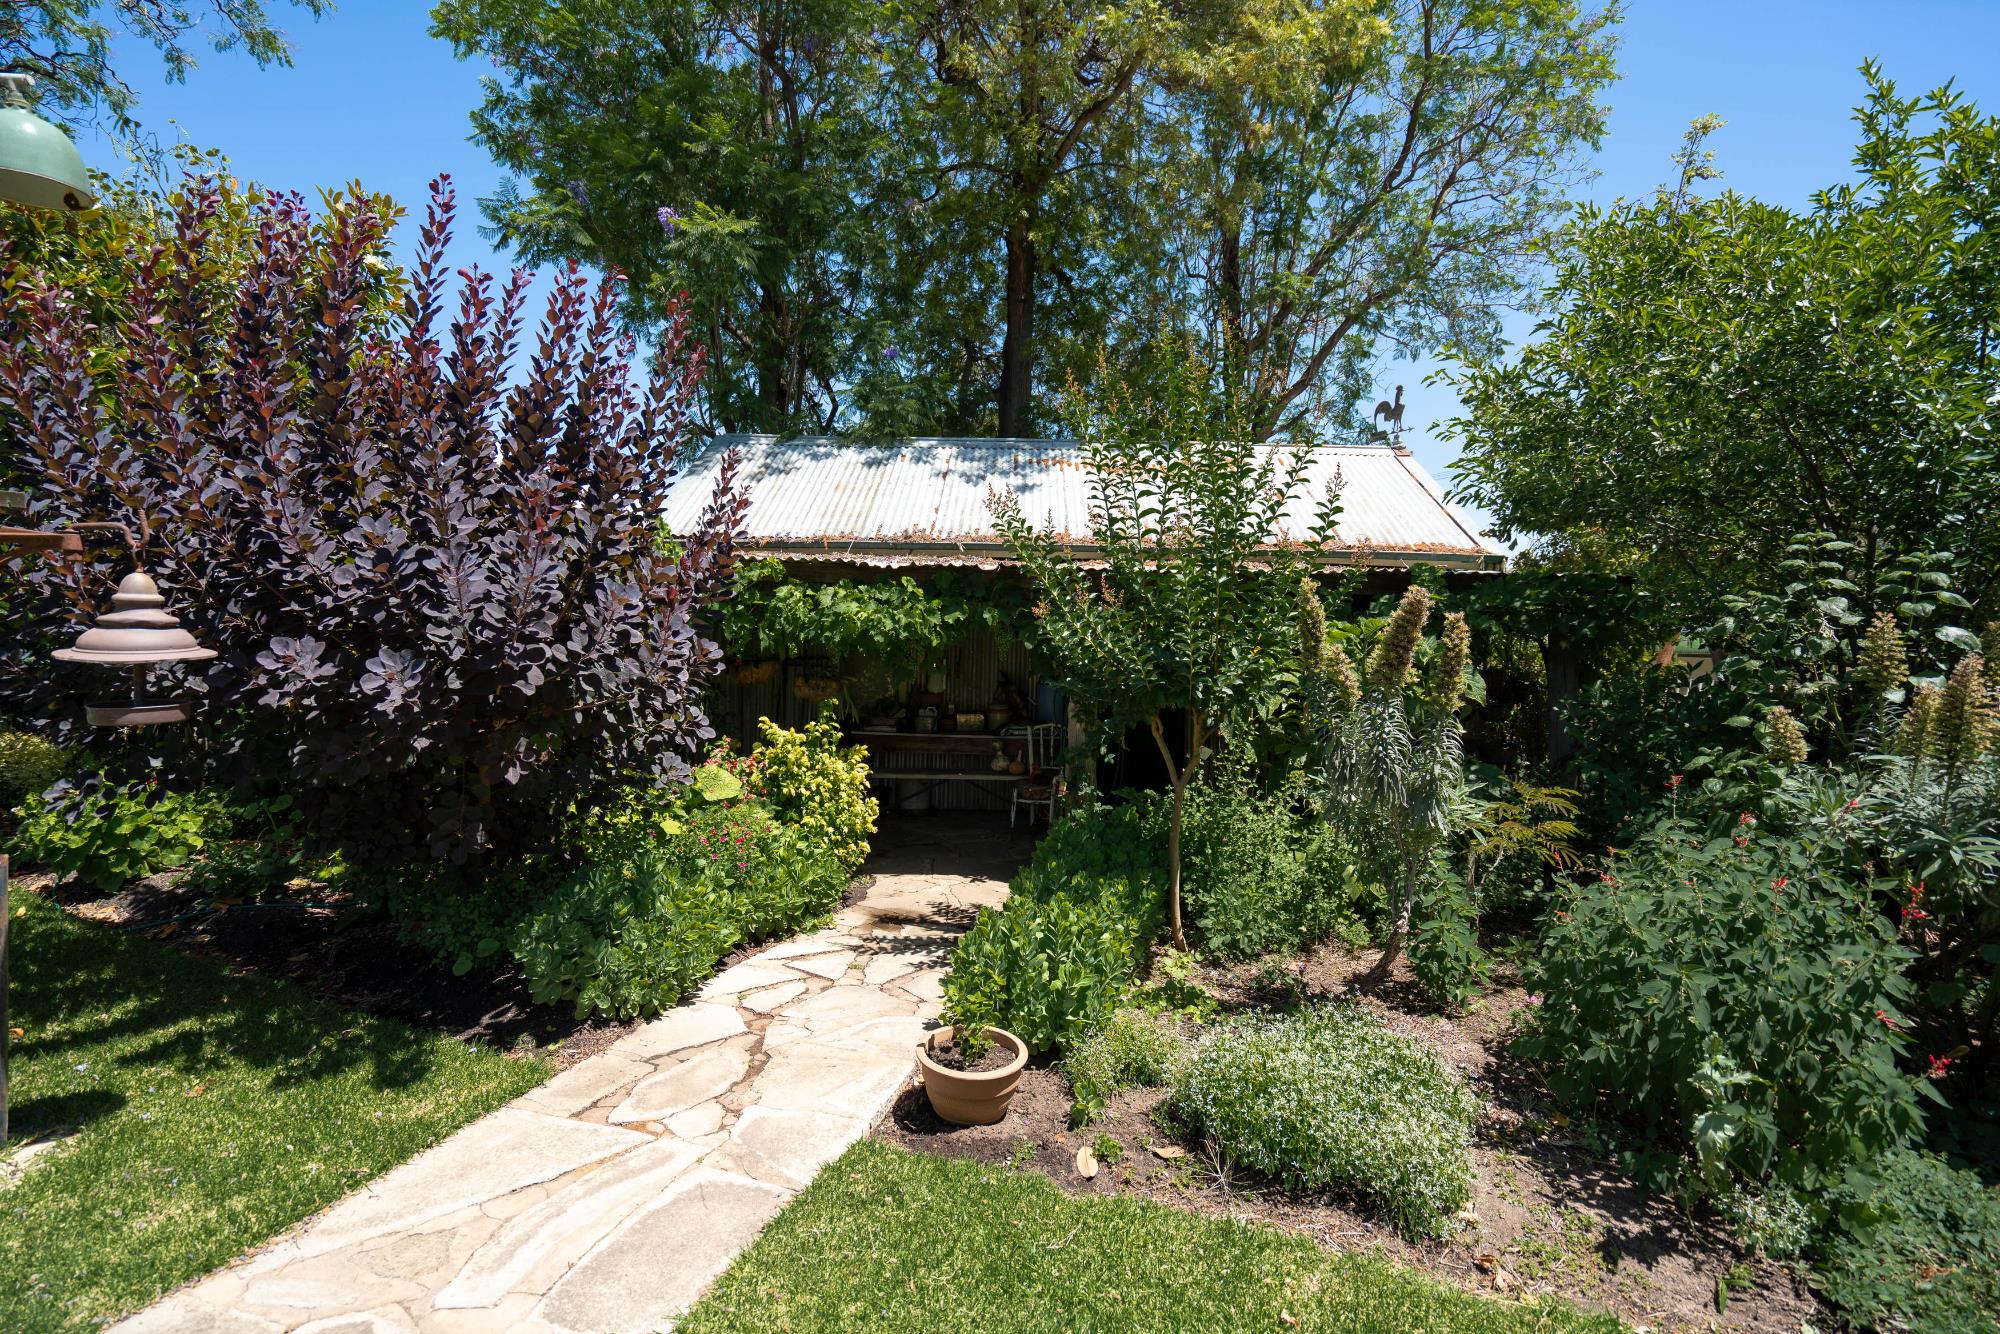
[(445, 613)]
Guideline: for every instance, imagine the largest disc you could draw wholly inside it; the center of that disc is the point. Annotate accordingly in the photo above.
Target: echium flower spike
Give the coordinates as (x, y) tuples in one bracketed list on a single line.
[(1990, 642), (1340, 677), (1312, 626), (1784, 742), (1882, 665), (1445, 687), (1389, 664), (1965, 713), (1915, 737)]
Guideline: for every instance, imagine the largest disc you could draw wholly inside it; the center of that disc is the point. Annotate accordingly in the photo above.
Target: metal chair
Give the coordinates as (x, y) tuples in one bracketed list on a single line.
[(1043, 782)]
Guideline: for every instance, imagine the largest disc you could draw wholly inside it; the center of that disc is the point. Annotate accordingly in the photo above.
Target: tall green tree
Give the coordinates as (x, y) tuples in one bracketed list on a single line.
[(1719, 374), (1179, 606), (67, 46), (1024, 116), (706, 147), (1337, 178)]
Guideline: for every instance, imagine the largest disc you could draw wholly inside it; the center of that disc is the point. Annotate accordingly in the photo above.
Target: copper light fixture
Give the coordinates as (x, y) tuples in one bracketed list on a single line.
[(39, 166), (136, 633)]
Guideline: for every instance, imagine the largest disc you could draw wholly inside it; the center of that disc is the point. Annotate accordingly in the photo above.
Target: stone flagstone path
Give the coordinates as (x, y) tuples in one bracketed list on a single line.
[(608, 1199)]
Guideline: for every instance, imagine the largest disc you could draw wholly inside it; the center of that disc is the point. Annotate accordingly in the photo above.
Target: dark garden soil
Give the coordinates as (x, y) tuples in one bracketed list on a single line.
[(993, 1056), (1549, 1217), (317, 940)]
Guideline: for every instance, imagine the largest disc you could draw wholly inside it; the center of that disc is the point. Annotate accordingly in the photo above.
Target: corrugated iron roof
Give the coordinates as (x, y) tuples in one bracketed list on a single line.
[(924, 501)]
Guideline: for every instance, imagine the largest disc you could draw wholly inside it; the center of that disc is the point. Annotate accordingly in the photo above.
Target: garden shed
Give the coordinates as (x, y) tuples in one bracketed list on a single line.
[(852, 521)]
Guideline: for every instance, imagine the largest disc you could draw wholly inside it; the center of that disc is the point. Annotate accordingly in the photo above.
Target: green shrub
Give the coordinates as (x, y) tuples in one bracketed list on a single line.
[(1259, 876), (633, 936), (1107, 857), (1131, 1048), (1329, 1098), (29, 764), (1444, 952), (1044, 969), (1917, 1247), (106, 833), (1736, 1001), (628, 938), (813, 783)]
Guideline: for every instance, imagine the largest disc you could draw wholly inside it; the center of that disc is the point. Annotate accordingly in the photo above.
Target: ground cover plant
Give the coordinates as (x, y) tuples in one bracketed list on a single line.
[(1329, 1098), (213, 1109), (898, 1241)]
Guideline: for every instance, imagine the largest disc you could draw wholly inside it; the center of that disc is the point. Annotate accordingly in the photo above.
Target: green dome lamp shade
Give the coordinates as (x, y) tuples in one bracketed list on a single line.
[(39, 166), (136, 633)]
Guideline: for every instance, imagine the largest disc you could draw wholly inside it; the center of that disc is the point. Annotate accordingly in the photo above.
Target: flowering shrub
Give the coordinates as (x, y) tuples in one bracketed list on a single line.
[(1329, 1098), (1917, 1246), (1737, 999), (810, 781)]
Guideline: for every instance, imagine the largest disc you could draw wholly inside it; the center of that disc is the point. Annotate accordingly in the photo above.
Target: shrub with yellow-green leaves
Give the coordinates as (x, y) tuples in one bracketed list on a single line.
[(28, 765), (813, 783)]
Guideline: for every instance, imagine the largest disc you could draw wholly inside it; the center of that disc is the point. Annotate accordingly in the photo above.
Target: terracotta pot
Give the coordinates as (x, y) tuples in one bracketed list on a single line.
[(971, 1098)]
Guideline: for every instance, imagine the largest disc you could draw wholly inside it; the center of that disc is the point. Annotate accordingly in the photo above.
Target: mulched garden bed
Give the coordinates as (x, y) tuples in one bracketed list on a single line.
[(1549, 1217)]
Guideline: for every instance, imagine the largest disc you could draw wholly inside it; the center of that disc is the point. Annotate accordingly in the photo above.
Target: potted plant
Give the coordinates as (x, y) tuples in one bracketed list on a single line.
[(971, 1072)]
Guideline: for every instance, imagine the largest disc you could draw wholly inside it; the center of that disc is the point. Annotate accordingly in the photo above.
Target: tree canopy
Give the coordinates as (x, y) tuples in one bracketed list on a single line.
[(67, 46), (905, 216), (1720, 374)]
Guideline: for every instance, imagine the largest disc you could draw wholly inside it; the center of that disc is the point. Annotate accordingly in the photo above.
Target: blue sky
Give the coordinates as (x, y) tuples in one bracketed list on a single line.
[(373, 96)]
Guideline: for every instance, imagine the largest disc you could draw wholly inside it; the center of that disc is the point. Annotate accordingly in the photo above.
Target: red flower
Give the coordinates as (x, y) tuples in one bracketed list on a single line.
[(1884, 1017), (1673, 782), (1746, 818), (1780, 883), (1939, 1064)]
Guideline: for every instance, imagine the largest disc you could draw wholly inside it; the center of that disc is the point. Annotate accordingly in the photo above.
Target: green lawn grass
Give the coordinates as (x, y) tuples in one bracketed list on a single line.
[(215, 1109), (887, 1240)]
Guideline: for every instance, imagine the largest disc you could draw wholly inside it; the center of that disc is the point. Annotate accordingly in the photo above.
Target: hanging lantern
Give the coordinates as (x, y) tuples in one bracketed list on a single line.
[(137, 632), (39, 166)]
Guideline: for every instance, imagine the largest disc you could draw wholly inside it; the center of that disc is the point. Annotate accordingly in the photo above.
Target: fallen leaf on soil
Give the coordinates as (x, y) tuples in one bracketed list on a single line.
[(1468, 1215), (1504, 1281), (1086, 1163), (1170, 1152), (1287, 1318), (17, 1032), (1486, 1261)]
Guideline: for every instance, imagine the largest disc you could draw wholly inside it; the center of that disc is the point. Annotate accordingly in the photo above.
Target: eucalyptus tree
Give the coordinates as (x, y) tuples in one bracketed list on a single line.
[(710, 148), (68, 46), (1331, 178)]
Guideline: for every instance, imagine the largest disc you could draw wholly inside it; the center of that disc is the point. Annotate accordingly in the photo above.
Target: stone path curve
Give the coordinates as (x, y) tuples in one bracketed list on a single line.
[(608, 1199)]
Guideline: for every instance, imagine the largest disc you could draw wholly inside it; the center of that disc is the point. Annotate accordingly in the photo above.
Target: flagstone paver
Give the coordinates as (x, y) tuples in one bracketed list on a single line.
[(609, 1198)]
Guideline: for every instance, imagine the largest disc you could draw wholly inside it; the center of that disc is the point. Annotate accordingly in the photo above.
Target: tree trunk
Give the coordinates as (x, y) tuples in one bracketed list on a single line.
[(773, 381), (1178, 775), (1399, 927), (1017, 348)]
